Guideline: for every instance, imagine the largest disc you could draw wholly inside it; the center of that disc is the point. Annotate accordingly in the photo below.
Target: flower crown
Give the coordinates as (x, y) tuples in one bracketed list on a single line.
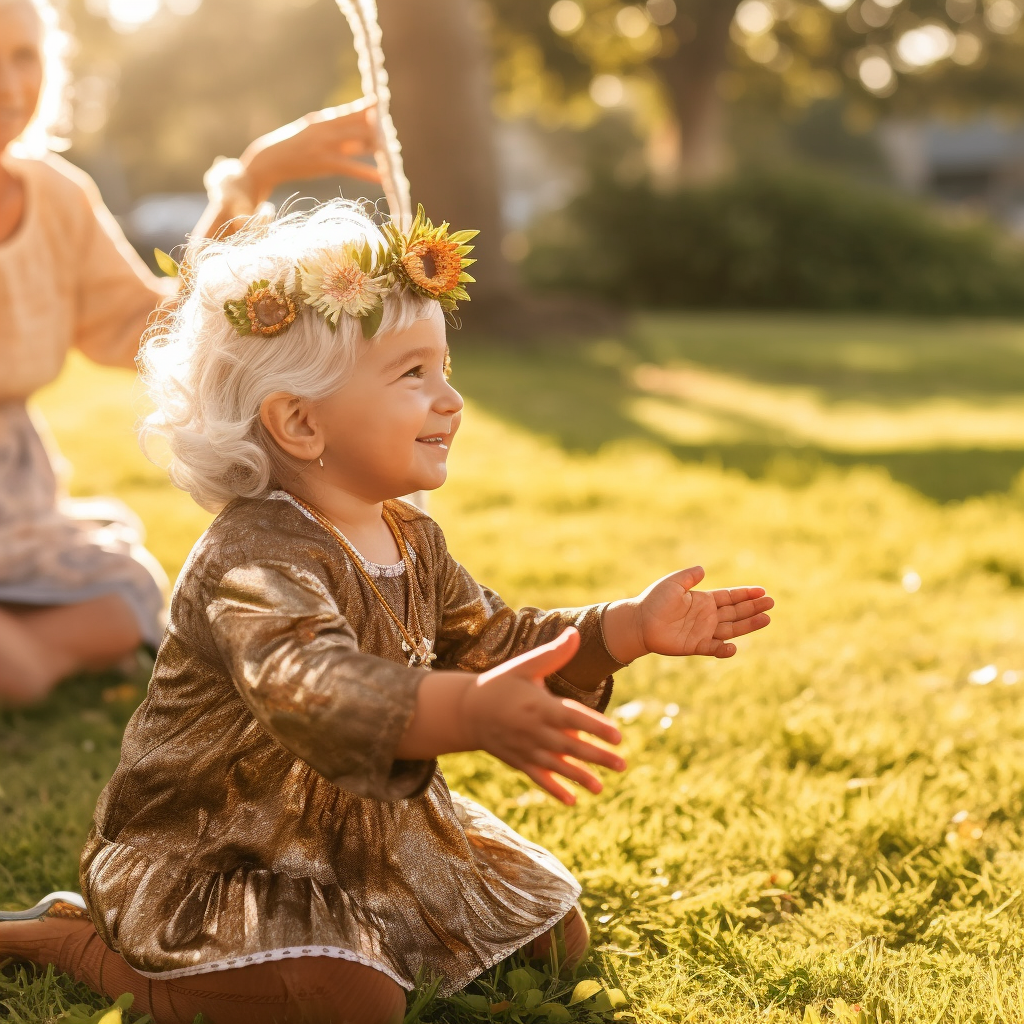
[(353, 279)]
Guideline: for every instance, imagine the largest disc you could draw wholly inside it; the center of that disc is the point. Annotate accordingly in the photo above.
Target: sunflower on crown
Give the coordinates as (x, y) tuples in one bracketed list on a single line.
[(353, 280)]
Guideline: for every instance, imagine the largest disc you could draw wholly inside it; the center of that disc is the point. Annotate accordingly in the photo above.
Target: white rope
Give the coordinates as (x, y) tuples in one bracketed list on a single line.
[(362, 19)]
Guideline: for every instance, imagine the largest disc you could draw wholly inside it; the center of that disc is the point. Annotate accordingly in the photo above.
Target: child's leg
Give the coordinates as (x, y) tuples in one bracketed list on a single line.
[(306, 990), (576, 936)]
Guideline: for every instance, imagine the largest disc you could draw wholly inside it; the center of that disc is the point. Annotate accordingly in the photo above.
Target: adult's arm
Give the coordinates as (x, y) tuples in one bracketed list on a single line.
[(118, 294)]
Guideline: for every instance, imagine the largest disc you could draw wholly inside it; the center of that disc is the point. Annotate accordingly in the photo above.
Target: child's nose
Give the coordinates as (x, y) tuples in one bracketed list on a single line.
[(449, 401)]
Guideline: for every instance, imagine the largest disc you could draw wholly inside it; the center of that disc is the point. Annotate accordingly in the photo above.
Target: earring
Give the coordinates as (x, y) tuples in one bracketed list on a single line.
[(321, 461)]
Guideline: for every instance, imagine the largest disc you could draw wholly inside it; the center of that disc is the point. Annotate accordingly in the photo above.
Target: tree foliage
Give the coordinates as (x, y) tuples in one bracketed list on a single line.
[(893, 55)]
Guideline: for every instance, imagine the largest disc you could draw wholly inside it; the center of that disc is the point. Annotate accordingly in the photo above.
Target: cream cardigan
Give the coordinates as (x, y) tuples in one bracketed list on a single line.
[(68, 277)]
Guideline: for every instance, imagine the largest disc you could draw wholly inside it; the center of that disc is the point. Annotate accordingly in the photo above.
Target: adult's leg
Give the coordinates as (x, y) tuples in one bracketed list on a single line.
[(574, 933), (303, 990), (39, 646)]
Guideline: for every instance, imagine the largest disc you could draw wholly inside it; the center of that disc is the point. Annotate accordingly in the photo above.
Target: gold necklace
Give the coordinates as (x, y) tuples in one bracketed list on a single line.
[(414, 643)]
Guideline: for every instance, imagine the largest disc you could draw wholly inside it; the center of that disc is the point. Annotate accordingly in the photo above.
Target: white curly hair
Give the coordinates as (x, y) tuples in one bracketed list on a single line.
[(207, 382), (52, 116)]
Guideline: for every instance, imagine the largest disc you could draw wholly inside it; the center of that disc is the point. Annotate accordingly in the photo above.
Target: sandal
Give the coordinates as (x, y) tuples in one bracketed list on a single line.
[(57, 904)]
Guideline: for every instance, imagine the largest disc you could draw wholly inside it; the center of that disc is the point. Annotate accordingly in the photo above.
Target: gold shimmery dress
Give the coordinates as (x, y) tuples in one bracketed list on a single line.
[(259, 811)]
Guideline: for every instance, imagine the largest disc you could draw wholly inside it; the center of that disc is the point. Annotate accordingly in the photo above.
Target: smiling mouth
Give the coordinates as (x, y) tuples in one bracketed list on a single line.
[(437, 440)]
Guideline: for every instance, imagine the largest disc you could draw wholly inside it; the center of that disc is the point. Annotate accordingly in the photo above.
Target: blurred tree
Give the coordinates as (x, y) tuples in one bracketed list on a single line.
[(906, 56), (440, 73)]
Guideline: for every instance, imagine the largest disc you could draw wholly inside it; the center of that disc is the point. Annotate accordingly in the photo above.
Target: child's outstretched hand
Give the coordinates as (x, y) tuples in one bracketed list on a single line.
[(510, 713), (672, 618)]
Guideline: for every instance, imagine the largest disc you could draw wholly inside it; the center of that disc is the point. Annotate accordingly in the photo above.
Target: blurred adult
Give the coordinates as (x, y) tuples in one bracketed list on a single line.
[(77, 588)]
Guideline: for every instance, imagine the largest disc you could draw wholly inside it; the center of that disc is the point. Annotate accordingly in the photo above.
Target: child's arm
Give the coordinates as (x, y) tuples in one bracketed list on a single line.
[(372, 726), (672, 618), (478, 632), (509, 712), (295, 661)]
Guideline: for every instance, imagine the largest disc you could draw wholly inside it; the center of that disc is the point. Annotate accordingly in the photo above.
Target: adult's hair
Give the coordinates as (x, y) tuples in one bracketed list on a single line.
[(207, 382)]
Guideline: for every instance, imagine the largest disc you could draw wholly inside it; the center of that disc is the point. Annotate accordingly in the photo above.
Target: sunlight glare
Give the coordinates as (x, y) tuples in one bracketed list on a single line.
[(632, 22), (127, 15), (983, 676), (607, 90), (926, 45), (754, 17), (911, 581), (876, 74), (566, 16), (1003, 16)]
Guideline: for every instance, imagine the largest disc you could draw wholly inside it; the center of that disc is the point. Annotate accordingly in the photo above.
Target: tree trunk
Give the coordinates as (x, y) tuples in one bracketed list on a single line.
[(691, 75), (440, 77)]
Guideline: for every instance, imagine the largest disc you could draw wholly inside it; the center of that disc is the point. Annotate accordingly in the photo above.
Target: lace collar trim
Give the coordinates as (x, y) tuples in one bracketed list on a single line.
[(375, 569)]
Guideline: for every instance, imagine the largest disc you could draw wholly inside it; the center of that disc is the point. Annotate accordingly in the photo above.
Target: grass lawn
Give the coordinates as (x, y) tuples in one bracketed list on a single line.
[(833, 819)]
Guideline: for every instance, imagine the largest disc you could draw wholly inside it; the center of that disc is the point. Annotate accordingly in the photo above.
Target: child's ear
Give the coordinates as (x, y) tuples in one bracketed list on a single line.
[(289, 422)]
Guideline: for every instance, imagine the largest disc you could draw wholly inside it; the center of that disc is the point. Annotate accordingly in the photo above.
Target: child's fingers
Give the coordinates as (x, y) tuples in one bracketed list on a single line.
[(713, 648), (731, 630), (737, 595), (688, 578), (571, 715), (548, 658), (571, 770), (562, 743), (744, 609), (548, 781)]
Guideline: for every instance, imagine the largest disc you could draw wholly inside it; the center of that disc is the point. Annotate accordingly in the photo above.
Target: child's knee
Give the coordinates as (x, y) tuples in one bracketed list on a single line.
[(575, 936)]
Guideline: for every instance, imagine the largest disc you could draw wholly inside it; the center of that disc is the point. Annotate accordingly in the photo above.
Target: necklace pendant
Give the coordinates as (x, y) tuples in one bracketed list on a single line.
[(422, 654)]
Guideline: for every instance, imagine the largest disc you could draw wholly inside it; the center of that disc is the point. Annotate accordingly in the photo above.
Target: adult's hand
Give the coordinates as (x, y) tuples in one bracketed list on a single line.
[(325, 142)]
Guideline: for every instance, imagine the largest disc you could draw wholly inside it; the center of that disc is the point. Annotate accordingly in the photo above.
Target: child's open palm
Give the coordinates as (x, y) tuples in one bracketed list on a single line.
[(675, 619), (509, 712)]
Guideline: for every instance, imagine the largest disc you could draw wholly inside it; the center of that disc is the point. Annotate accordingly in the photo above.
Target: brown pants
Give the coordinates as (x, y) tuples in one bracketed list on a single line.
[(306, 990)]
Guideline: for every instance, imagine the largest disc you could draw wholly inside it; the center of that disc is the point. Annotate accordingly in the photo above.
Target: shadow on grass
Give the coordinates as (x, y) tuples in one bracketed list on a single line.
[(579, 394)]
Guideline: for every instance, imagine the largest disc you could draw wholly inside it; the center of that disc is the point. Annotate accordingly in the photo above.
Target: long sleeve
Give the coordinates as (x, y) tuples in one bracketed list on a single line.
[(479, 631), (68, 277), (296, 663), (116, 291)]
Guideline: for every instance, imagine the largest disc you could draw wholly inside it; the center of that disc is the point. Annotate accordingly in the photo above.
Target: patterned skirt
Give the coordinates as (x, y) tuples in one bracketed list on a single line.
[(56, 550)]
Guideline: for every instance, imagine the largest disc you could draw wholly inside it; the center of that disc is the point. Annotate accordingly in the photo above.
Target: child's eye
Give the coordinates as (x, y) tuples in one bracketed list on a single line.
[(416, 371)]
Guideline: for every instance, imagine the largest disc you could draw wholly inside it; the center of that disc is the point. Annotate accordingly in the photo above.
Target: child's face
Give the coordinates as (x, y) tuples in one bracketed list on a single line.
[(387, 431)]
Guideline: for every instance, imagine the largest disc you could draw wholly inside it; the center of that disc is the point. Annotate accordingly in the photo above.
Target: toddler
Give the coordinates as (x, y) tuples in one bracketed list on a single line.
[(278, 843)]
